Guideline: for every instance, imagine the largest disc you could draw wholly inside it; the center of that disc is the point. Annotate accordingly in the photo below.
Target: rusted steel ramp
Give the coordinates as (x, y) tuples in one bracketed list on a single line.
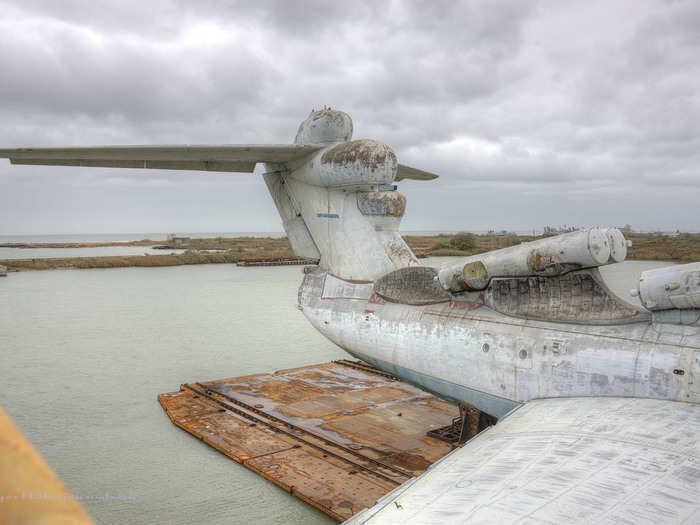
[(337, 435)]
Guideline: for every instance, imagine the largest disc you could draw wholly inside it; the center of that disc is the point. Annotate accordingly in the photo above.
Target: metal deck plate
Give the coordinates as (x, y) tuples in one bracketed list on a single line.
[(337, 435)]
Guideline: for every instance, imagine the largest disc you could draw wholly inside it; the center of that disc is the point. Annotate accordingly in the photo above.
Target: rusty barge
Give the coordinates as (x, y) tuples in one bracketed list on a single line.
[(276, 261), (338, 435)]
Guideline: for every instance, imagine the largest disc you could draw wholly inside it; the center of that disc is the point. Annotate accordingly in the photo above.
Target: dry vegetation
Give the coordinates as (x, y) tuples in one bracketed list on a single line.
[(658, 247), (444, 244), (645, 246), (682, 248), (245, 247), (120, 261)]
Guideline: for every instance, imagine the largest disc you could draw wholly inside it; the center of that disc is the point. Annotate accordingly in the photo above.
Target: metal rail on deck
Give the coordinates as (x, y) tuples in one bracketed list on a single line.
[(306, 431), (209, 394), (342, 435), (359, 365)]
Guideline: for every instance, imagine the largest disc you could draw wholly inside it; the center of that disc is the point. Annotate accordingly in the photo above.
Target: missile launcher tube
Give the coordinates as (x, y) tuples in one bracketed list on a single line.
[(672, 287), (550, 256), (618, 245)]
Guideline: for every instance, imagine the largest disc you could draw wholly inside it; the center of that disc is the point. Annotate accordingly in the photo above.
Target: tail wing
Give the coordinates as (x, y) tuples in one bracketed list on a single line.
[(233, 158), (407, 172)]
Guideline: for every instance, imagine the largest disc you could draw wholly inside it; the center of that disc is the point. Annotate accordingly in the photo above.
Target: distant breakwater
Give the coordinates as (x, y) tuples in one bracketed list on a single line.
[(117, 261), (30, 245)]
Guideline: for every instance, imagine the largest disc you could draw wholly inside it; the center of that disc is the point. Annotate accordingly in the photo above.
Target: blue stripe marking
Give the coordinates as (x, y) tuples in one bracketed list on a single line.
[(328, 215)]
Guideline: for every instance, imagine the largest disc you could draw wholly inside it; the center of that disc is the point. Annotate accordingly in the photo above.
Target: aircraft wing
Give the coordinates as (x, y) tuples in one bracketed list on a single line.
[(407, 172), (567, 460), (236, 158)]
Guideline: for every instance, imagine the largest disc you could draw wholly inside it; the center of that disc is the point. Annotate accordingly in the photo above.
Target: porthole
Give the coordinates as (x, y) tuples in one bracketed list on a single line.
[(523, 354), (485, 347)]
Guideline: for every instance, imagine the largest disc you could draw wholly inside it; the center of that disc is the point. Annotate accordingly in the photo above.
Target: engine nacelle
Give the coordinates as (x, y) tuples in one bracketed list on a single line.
[(672, 287)]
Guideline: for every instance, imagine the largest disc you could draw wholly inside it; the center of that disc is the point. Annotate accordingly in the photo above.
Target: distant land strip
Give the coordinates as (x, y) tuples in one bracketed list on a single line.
[(679, 247), (143, 242)]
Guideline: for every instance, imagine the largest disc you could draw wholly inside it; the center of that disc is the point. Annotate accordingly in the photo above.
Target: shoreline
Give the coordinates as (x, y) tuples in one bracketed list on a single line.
[(681, 248), (117, 261), (31, 245)]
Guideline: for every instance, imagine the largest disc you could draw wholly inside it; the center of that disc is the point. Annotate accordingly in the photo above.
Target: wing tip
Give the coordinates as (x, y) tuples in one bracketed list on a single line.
[(407, 172)]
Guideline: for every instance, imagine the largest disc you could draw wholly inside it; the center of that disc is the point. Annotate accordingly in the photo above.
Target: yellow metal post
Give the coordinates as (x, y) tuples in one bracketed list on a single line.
[(30, 492)]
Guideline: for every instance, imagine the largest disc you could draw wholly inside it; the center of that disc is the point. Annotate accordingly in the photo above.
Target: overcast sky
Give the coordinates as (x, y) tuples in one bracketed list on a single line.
[(533, 113)]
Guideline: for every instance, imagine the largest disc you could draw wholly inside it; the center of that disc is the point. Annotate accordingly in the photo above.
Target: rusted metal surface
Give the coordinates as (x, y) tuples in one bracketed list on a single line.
[(470, 422), (366, 368), (276, 261), (30, 492), (363, 151), (337, 435)]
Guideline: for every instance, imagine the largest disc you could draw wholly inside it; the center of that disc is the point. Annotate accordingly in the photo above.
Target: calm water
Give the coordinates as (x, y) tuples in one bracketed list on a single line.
[(83, 354), (36, 253), (122, 237), (98, 251)]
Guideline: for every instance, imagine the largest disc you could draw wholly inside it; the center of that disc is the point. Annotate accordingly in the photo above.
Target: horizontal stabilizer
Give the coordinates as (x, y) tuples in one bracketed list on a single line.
[(198, 165), (233, 158), (407, 172)]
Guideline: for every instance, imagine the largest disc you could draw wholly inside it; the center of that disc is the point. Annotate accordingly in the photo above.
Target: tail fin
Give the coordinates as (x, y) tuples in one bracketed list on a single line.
[(353, 231), (290, 212)]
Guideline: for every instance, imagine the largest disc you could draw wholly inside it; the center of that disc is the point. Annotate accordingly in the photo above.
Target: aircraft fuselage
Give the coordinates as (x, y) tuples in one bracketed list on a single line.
[(467, 352)]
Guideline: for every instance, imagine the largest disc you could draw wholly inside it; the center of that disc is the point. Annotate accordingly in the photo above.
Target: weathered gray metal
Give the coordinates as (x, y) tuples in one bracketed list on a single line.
[(579, 460), (618, 245), (463, 349), (552, 256), (416, 285), (576, 297), (235, 158), (325, 127), (673, 287)]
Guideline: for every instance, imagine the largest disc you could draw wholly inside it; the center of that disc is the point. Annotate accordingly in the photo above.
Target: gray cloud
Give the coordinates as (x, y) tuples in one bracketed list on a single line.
[(534, 113)]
